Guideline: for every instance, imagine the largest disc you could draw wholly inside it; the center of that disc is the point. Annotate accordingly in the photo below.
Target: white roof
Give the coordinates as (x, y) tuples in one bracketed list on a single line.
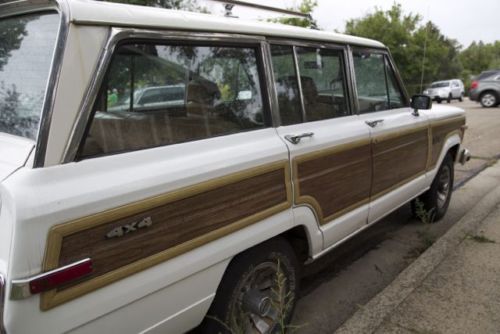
[(106, 13)]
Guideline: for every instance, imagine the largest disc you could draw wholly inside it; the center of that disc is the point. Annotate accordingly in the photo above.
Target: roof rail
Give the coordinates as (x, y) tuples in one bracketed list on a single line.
[(231, 3)]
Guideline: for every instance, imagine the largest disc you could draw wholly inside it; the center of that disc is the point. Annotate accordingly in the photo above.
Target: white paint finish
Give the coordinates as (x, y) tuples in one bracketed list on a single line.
[(169, 310), (41, 198), (386, 204), (330, 134), (178, 322), (304, 216), (14, 153), (83, 48), (441, 112), (341, 227), (104, 13)]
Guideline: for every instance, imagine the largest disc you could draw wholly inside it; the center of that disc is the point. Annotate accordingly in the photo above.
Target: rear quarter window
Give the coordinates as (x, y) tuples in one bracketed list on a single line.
[(159, 94)]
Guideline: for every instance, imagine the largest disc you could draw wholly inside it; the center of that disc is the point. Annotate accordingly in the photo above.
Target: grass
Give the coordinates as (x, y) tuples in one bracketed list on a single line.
[(480, 239), (281, 301)]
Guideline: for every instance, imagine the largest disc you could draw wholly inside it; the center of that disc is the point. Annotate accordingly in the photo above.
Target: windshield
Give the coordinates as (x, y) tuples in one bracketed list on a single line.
[(26, 48), (440, 84)]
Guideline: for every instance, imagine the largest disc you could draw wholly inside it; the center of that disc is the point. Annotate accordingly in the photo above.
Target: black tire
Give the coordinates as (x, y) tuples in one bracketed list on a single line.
[(448, 100), (461, 98), (233, 305), (438, 100), (436, 200), (488, 99)]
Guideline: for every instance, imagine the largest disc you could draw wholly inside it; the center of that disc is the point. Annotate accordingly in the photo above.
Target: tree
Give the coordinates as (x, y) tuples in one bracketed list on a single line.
[(306, 7), (479, 57), (407, 39), (12, 33)]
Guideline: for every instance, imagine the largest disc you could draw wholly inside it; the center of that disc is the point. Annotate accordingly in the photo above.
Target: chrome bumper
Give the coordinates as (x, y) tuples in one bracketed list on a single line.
[(464, 156)]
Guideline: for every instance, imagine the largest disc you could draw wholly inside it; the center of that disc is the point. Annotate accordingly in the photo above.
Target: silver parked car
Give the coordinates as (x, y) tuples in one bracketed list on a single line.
[(486, 91), (446, 90)]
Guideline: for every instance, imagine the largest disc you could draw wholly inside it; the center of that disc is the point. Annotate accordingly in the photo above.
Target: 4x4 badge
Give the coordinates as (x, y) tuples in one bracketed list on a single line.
[(120, 231)]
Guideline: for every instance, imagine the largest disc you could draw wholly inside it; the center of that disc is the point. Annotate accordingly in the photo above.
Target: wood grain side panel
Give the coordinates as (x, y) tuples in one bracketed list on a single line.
[(440, 132), (398, 158), (182, 220), (334, 180)]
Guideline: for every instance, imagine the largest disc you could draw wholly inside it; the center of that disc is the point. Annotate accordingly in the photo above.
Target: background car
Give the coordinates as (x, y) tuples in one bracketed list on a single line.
[(446, 90), (486, 90)]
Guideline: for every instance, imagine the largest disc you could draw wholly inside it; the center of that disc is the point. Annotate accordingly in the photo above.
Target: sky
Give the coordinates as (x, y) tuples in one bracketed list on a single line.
[(465, 21)]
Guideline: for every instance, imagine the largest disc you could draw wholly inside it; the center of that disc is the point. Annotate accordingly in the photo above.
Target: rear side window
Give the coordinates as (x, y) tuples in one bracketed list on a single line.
[(320, 79), (286, 84), (156, 95), (376, 83), (323, 84)]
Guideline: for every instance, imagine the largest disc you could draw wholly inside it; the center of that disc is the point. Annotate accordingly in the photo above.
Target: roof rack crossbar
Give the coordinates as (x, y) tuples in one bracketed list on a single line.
[(264, 7)]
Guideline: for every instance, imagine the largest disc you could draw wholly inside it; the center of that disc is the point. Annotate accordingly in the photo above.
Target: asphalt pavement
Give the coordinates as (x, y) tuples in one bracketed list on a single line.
[(453, 287)]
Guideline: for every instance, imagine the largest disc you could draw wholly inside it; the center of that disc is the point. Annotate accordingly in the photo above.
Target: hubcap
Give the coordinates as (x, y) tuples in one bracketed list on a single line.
[(260, 301), (488, 100), (443, 187)]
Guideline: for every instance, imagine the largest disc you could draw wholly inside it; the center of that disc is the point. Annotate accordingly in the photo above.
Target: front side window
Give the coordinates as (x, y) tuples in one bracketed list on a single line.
[(376, 83), (27, 46), (156, 95)]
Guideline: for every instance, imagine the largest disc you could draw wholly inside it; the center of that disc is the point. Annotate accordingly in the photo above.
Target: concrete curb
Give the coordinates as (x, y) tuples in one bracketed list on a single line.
[(370, 316)]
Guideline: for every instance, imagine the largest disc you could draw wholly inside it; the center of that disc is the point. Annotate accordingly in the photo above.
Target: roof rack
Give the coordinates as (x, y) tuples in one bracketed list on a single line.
[(231, 3)]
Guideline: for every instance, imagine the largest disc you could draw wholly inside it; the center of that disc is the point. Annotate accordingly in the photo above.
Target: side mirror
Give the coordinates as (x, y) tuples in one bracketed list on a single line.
[(420, 102)]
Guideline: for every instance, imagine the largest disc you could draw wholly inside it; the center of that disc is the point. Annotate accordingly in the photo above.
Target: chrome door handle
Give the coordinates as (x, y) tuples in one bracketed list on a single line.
[(374, 123), (295, 139)]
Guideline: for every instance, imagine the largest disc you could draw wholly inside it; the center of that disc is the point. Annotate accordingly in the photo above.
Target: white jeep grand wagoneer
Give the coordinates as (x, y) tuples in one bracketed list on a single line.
[(160, 166)]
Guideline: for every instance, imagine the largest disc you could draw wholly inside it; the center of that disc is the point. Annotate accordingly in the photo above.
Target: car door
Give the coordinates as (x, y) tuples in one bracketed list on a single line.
[(456, 90), (329, 145), (400, 137)]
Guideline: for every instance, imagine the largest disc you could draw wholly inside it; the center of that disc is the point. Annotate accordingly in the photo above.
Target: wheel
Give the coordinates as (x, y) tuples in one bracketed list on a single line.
[(449, 98), (461, 97), (258, 291), (438, 100), (436, 200), (488, 100)]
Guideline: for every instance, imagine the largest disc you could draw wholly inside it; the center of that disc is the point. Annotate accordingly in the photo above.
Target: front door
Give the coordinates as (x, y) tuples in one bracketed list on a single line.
[(400, 137), (329, 146)]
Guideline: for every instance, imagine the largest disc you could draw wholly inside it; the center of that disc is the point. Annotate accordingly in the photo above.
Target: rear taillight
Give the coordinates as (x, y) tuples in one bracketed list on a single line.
[(474, 84), (24, 288)]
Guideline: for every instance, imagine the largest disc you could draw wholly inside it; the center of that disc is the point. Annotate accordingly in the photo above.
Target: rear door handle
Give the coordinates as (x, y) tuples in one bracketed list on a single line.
[(295, 139), (374, 123)]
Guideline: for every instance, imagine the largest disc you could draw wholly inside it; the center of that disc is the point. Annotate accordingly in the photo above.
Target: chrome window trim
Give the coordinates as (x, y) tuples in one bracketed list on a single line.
[(29, 7), (299, 84), (271, 87), (117, 35), (2, 303)]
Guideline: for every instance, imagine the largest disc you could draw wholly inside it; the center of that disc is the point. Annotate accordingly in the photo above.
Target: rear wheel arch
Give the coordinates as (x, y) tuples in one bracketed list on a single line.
[(249, 265)]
